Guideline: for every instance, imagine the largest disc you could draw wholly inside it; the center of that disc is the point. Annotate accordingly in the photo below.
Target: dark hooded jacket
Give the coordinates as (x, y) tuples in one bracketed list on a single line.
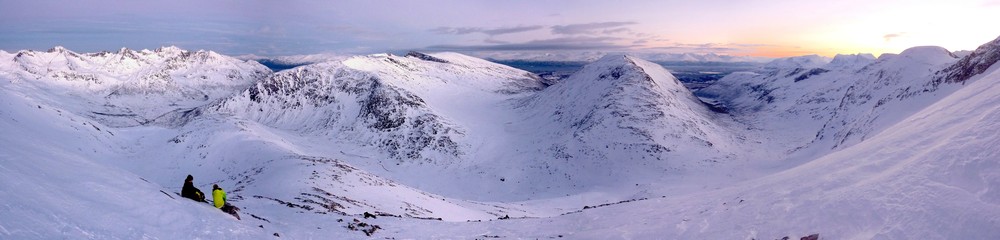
[(189, 191)]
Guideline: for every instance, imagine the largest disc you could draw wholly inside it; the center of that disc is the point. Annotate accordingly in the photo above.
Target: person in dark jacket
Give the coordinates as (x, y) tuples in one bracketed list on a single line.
[(189, 191)]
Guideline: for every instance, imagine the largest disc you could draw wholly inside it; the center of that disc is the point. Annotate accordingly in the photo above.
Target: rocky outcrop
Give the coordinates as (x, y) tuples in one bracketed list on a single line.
[(973, 64)]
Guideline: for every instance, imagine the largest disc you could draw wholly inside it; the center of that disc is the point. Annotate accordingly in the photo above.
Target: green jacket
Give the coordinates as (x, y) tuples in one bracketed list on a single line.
[(219, 197)]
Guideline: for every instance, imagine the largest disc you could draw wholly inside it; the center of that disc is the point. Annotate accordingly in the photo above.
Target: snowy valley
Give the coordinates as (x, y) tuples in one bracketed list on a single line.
[(448, 146)]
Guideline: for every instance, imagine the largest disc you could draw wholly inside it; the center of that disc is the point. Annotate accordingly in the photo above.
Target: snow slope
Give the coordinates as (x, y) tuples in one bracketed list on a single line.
[(264, 174), (55, 186)]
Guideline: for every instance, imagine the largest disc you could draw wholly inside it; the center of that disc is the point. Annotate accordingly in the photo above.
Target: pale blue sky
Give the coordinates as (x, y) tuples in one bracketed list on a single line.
[(752, 27)]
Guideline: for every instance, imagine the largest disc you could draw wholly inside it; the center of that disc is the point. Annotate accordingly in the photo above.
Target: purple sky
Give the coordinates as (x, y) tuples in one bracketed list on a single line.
[(752, 27)]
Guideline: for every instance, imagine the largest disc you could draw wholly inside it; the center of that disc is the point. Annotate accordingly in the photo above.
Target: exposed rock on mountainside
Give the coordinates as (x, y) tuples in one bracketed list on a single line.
[(973, 64), (337, 101)]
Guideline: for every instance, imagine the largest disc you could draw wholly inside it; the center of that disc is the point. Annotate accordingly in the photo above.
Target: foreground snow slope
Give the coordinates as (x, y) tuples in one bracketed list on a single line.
[(267, 174), (54, 184)]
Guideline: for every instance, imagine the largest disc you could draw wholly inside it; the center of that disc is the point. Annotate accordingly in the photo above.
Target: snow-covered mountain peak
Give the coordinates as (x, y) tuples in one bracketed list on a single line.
[(850, 61), (619, 102), (624, 71), (929, 54), (57, 49), (805, 62), (612, 59), (616, 68), (169, 49)]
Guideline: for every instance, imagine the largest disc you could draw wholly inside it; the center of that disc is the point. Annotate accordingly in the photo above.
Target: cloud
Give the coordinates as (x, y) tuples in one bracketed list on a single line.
[(564, 43), (500, 31), (711, 47), (494, 41), (616, 31), (455, 31), (889, 37), (491, 31), (589, 28)]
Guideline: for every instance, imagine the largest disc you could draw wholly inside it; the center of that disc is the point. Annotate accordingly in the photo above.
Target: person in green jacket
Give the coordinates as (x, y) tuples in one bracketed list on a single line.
[(219, 199)]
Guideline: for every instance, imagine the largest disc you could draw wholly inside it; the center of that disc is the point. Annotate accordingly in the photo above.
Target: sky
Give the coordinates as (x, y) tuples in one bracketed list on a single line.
[(763, 28)]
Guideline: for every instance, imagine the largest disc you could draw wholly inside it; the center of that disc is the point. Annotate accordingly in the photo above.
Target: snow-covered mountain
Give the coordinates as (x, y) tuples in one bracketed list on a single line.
[(619, 119), (97, 145), (129, 87), (803, 62), (850, 61), (376, 101), (839, 103)]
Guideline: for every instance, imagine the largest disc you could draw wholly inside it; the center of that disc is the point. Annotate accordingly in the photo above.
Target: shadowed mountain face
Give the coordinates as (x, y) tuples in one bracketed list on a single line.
[(334, 100), (975, 63)]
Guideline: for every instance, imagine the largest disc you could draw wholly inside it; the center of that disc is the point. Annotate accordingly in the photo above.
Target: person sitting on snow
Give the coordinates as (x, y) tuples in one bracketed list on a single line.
[(189, 191), (219, 199)]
